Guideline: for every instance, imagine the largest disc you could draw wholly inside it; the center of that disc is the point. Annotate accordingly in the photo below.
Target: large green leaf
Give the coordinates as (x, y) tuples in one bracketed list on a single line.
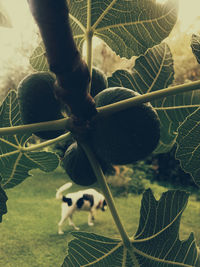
[(188, 148), (153, 71), (158, 231), (38, 59), (128, 27), (195, 45), (3, 199), (15, 163), (4, 17), (156, 242)]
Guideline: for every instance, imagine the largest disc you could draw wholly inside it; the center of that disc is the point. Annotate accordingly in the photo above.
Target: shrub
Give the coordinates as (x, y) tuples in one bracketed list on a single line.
[(127, 181)]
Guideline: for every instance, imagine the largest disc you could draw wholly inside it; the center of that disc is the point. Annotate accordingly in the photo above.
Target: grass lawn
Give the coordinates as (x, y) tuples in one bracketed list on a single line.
[(28, 232)]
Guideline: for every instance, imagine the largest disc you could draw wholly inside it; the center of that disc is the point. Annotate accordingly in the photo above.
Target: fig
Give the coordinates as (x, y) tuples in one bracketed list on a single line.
[(99, 81), (125, 136), (38, 103), (78, 167)]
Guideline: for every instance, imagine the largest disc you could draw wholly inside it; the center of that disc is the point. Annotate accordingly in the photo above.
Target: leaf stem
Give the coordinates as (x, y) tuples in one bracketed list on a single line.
[(109, 199), (173, 90), (89, 37), (47, 143), (36, 127)]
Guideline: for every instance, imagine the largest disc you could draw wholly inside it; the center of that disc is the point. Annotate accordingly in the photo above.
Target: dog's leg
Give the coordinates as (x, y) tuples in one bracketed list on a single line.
[(71, 223), (91, 218), (64, 216), (60, 232)]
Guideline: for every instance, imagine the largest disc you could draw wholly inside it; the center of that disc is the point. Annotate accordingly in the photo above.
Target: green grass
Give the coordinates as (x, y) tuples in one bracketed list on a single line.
[(28, 232)]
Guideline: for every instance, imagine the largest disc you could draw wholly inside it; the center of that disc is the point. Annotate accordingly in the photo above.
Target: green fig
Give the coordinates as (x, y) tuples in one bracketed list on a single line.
[(78, 167), (127, 135), (38, 103), (99, 81)]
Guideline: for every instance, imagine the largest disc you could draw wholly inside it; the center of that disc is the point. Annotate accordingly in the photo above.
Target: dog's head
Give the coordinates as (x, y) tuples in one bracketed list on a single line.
[(102, 205)]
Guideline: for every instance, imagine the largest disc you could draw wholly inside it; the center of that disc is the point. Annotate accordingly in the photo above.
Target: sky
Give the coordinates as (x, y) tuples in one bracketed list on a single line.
[(188, 11), (25, 30)]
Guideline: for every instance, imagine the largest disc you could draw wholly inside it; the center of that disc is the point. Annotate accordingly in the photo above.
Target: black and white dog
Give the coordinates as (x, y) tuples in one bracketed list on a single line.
[(84, 200)]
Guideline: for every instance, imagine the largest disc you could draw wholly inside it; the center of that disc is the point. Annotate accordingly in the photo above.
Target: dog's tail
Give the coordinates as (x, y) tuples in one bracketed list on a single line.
[(64, 187)]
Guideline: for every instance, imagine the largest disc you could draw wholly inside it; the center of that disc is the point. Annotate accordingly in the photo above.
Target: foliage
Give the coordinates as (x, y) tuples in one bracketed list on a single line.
[(146, 77), (129, 28), (168, 170), (112, 20), (188, 133), (185, 64), (127, 181), (87, 249), (144, 169), (16, 160), (195, 45), (188, 145)]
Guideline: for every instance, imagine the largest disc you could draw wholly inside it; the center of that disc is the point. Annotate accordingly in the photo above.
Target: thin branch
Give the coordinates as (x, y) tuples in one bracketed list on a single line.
[(65, 136), (110, 201), (89, 37), (134, 101), (106, 191), (37, 127)]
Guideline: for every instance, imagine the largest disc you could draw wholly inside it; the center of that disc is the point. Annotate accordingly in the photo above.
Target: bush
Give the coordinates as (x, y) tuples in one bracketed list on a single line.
[(127, 181), (165, 168)]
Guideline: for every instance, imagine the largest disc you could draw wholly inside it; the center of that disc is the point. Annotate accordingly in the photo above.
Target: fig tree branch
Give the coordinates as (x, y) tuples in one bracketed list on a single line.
[(109, 199), (65, 136), (173, 90), (73, 77), (102, 111), (106, 191), (65, 123), (89, 37)]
